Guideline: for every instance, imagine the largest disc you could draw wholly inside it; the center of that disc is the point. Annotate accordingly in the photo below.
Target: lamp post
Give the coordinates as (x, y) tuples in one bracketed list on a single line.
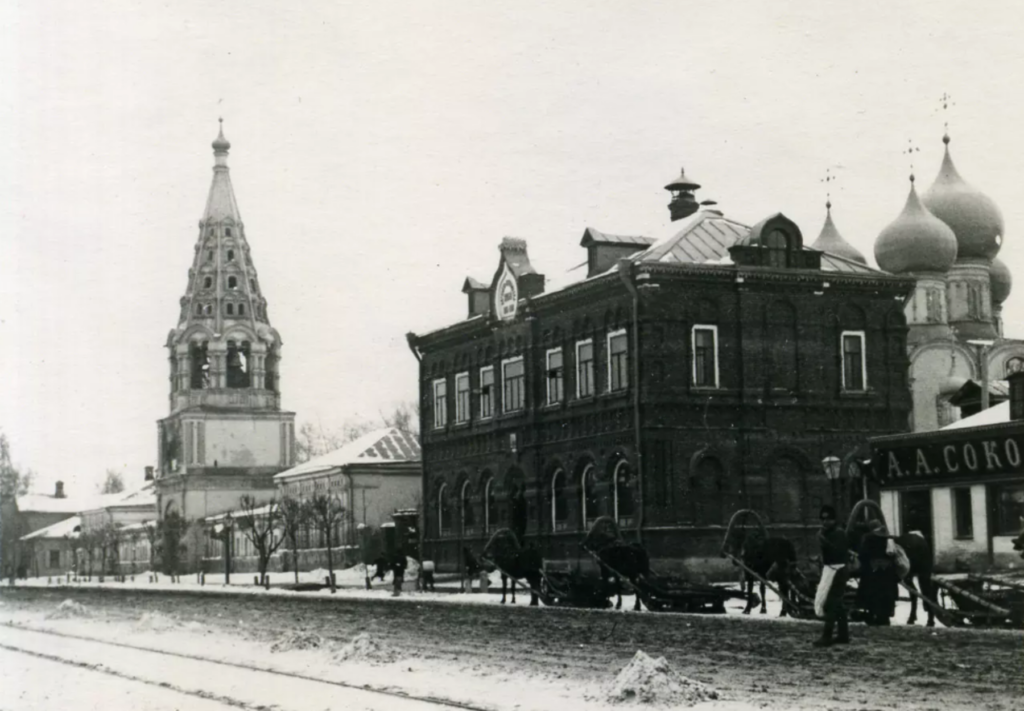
[(223, 530), (833, 469)]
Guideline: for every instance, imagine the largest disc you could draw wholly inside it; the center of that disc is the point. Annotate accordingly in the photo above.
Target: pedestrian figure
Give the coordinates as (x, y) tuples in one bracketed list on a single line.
[(878, 589), (398, 571), (828, 602), (427, 569)]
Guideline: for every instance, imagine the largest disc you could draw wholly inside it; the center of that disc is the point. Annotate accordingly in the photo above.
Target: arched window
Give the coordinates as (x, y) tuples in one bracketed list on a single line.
[(208, 282), (209, 255), (490, 505), (238, 364), (200, 370), (199, 309), (559, 502), (241, 309), (588, 496), (252, 285), (231, 255), (232, 282), (444, 514), (227, 231), (777, 243), (230, 309), (466, 505), (624, 504)]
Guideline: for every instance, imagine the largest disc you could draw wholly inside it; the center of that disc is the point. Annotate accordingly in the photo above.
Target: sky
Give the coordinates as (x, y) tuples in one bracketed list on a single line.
[(380, 151)]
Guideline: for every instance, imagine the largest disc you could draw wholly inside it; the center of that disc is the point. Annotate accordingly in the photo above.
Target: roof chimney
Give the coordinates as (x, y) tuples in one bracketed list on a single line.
[(479, 296), (149, 473), (58, 492), (683, 204)]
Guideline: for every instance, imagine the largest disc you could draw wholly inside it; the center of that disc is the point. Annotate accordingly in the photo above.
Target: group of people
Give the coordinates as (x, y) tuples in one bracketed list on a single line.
[(878, 566)]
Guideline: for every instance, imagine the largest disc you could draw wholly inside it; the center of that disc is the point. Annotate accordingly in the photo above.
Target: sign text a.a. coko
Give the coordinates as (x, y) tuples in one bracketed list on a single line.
[(947, 458)]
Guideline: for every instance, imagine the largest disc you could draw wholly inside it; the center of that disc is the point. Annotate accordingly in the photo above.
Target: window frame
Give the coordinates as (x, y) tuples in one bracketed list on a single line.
[(441, 530), (863, 360), (488, 492), (548, 379), (490, 395), (713, 329), (625, 355), (588, 471), (440, 406), (462, 414), (556, 524), (998, 526), (593, 357), (959, 533), (466, 504), (505, 410)]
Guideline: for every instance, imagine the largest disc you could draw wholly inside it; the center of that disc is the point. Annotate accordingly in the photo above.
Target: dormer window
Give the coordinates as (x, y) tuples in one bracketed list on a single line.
[(777, 243)]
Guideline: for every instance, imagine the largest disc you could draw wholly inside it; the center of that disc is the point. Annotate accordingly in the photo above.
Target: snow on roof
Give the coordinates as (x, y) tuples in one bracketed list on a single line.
[(57, 530), (995, 415), (144, 496), (387, 445), (47, 503)]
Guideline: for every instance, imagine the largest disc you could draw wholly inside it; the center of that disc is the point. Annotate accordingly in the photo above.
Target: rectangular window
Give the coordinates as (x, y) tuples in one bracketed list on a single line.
[(963, 517), (618, 361), (854, 367), (584, 368), (54, 559), (486, 392), (462, 397), (705, 356), (1008, 501), (514, 379), (440, 403), (556, 377)]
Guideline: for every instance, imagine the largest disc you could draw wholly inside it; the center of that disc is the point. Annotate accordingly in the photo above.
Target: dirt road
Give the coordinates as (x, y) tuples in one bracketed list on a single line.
[(756, 659)]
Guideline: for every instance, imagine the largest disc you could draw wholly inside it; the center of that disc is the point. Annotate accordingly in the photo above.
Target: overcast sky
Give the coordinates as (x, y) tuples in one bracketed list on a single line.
[(380, 151)]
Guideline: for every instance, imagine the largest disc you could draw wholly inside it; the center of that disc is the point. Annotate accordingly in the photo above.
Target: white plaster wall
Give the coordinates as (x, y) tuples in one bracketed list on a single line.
[(385, 493), (929, 370), (948, 549), (200, 503), (243, 443), (889, 502)]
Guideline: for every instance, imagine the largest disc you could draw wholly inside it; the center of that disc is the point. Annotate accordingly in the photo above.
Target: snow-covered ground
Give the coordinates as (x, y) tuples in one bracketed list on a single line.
[(363, 662)]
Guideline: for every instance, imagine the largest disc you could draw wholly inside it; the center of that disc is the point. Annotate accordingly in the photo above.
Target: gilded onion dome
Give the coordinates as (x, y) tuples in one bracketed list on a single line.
[(974, 218), (831, 242), (916, 241), (1001, 281)]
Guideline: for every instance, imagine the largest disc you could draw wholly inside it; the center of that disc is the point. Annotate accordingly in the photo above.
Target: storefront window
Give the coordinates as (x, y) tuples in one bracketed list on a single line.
[(1009, 505)]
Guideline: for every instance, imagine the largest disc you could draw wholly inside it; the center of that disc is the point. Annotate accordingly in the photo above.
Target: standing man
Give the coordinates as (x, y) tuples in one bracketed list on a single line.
[(828, 602)]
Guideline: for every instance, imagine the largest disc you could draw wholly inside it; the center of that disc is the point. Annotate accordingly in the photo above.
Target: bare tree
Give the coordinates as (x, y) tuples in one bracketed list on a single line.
[(405, 417), (294, 517), (326, 512), (152, 535), (88, 541), (113, 482), (13, 481), (261, 525), (313, 440), (171, 542), (108, 540)]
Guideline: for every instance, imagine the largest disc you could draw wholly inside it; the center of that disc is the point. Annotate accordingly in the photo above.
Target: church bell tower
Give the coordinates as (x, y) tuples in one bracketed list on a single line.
[(225, 435)]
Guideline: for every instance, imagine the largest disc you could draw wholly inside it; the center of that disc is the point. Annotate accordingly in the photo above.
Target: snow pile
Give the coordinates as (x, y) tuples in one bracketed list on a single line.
[(68, 609), (652, 681), (155, 622), (297, 640), (363, 647)]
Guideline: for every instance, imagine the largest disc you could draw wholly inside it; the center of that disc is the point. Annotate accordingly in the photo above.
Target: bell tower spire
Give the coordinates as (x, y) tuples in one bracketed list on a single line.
[(225, 394)]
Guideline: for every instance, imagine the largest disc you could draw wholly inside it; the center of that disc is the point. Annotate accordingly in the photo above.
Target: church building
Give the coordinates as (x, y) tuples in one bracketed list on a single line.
[(225, 434), (667, 382)]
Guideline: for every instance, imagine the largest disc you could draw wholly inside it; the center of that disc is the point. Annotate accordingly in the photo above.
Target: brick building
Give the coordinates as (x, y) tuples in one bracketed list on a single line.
[(671, 381)]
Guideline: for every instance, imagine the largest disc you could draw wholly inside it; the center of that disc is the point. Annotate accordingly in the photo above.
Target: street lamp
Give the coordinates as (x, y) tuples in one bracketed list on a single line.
[(833, 470), (223, 530)]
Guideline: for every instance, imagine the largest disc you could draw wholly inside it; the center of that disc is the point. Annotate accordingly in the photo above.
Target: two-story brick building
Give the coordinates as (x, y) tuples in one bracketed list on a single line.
[(673, 380)]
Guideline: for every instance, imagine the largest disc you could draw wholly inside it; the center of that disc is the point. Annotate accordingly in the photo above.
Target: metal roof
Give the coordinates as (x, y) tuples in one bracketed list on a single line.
[(383, 446), (592, 236), (56, 530)]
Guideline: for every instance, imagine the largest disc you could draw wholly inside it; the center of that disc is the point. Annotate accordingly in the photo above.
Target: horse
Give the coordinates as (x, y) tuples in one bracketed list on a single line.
[(919, 552), (515, 562), (616, 558), (771, 558)]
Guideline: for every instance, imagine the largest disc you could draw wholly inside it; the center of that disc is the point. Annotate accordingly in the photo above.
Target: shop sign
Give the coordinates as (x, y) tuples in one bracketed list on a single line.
[(989, 456)]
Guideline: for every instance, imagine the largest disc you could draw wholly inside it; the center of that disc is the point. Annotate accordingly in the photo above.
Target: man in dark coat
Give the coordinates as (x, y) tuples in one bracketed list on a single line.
[(834, 574), (398, 570), (878, 589)]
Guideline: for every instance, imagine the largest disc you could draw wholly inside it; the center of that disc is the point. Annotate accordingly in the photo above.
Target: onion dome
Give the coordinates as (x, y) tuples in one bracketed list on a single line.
[(1001, 281), (916, 241), (974, 218), (831, 242), (221, 144)]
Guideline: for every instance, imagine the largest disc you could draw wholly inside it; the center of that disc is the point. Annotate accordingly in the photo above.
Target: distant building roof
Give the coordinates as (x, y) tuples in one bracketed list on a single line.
[(47, 503), (995, 415), (592, 236), (383, 446), (57, 530)]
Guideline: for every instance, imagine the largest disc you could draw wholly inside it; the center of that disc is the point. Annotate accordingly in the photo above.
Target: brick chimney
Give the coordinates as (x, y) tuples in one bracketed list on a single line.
[(58, 492)]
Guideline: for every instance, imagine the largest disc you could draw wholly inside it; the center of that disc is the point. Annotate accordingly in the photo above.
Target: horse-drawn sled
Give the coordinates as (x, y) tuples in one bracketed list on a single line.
[(630, 562)]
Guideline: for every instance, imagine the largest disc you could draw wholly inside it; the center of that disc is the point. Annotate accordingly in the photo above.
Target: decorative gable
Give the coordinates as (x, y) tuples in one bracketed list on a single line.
[(514, 279)]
